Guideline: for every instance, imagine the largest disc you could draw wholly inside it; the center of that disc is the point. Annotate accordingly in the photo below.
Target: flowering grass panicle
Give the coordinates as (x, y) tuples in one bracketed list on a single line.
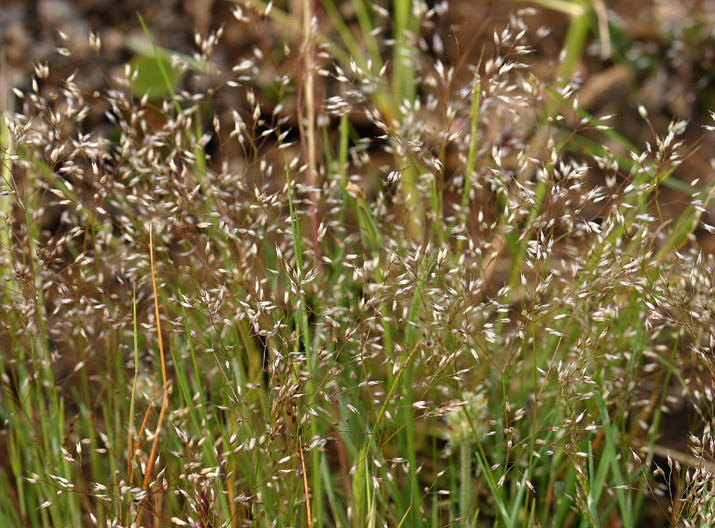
[(347, 284)]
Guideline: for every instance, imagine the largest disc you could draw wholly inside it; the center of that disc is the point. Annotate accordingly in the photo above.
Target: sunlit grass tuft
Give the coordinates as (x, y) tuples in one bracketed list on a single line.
[(316, 291)]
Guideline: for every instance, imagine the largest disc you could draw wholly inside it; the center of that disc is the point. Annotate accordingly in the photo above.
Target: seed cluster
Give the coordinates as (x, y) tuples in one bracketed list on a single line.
[(460, 305)]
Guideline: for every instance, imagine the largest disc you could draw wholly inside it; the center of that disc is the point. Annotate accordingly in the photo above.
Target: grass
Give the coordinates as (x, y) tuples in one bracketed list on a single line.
[(225, 313)]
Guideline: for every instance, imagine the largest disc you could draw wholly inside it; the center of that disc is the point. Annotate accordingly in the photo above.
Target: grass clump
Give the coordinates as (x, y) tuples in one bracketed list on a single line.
[(430, 299)]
